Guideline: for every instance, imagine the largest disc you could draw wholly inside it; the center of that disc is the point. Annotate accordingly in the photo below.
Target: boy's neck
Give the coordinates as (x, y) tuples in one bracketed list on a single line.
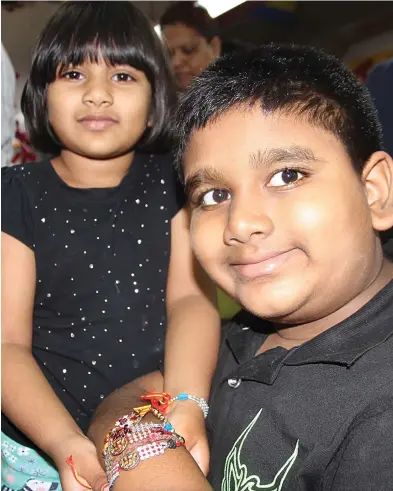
[(83, 172), (290, 336)]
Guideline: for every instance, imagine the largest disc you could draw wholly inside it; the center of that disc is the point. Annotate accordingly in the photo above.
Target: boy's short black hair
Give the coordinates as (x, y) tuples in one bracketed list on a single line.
[(193, 16), (297, 80), (123, 35)]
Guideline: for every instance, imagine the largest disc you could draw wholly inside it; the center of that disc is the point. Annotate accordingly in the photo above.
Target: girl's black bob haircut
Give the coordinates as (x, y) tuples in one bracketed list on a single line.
[(85, 31)]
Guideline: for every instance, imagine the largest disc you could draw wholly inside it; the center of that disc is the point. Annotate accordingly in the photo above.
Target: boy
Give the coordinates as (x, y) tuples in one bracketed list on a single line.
[(288, 188)]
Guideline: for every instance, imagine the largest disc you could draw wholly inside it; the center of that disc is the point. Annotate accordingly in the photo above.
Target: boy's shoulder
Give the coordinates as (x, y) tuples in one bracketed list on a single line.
[(307, 405), (367, 332), (373, 320)]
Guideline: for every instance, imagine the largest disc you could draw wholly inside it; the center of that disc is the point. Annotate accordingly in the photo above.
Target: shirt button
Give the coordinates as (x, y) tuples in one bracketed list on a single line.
[(234, 382)]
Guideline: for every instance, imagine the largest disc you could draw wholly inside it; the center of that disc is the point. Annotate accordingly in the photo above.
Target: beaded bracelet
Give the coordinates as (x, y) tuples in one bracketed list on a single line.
[(202, 403)]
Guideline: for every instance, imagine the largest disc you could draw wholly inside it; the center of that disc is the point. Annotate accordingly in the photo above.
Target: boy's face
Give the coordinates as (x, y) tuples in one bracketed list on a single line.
[(279, 217)]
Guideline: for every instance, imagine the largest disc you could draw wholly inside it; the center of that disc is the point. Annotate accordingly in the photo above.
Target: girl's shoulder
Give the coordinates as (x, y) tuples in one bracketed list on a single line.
[(21, 190), (29, 173)]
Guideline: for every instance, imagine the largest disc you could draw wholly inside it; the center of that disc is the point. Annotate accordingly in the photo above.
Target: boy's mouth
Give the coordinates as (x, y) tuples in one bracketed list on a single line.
[(262, 265)]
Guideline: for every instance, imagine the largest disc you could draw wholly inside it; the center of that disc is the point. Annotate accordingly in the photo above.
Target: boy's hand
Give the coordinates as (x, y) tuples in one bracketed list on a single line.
[(188, 421), (86, 464)]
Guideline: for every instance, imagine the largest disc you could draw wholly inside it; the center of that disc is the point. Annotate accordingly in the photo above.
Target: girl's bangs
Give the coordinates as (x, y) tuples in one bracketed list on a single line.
[(115, 48), (109, 50)]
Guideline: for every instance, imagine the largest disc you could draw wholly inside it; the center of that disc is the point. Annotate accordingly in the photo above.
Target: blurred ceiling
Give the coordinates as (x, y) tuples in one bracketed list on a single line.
[(333, 25)]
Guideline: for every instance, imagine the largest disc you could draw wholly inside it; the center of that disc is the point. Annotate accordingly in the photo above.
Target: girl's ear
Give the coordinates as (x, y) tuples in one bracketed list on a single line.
[(377, 177)]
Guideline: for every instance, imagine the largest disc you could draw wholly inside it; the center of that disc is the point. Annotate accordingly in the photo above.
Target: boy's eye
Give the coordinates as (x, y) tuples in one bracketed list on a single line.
[(73, 75), (285, 177), (215, 197), (122, 77)]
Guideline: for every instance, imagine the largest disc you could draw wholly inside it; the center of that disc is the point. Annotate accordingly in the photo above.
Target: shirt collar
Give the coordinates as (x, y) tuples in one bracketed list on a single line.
[(342, 344)]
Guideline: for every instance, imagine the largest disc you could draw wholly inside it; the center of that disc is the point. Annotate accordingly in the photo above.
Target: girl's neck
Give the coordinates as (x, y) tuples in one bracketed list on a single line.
[(83, 172)]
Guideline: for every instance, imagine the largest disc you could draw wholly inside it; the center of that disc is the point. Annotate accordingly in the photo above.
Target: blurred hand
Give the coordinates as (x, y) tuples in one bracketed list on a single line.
[(85, 459), (188, 421)]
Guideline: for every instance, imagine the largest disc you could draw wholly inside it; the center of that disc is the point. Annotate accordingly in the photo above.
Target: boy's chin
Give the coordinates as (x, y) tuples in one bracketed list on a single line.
[(274, 304)]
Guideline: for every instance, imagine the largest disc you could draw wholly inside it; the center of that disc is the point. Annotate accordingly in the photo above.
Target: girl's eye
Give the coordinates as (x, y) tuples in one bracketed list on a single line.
[(285, 177), (122, 77), (73, 75), (215, 197)]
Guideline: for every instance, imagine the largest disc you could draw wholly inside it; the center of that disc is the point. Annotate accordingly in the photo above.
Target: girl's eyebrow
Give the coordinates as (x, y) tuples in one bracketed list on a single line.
[(203, 176)]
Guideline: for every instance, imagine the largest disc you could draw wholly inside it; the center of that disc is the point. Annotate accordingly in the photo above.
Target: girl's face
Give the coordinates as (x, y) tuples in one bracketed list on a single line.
[(99, 111)]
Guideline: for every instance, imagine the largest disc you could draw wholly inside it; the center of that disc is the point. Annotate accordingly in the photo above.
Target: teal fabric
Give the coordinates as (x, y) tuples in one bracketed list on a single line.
[(24, 468)]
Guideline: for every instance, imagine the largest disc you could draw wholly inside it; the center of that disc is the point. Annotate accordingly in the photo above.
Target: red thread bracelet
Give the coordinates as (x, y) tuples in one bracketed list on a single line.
[(79, 479)]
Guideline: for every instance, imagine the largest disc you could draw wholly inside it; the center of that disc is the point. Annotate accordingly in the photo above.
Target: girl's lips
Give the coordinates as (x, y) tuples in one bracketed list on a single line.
[(251, 270), (97, 124)]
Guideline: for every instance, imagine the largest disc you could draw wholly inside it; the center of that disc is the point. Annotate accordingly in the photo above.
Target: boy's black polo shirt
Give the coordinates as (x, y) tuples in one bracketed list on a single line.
[(316, 417)]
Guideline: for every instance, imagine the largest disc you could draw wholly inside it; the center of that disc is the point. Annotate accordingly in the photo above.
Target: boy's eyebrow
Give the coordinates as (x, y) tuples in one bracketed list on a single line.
[(272, 156), (202, 176), (266, 158)]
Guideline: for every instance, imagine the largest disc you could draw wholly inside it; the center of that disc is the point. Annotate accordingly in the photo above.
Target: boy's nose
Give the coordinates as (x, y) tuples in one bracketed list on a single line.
[(247, 221)]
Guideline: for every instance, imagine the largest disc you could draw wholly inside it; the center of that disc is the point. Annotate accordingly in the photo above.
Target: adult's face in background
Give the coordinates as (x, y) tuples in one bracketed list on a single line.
[(190, 52)]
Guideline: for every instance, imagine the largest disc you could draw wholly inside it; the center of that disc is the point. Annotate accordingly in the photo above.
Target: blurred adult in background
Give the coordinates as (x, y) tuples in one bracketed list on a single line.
[(8, 84), (193, 40), (380, 84)]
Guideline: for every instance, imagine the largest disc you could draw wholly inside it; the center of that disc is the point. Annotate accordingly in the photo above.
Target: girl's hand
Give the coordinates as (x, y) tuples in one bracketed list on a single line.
[(86, 464), (188, 421)]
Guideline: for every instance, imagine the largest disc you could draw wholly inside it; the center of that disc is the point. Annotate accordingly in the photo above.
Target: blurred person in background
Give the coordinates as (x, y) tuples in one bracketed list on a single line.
[(8, 83), (193, 40)]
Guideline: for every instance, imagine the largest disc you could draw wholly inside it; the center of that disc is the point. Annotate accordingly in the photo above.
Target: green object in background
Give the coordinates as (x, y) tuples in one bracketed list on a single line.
[(226, 306)]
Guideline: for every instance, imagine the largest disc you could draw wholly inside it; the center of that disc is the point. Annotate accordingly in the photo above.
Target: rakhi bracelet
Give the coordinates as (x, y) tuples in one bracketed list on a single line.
[(154, 444), (119, 438), (119, 442), (161, 400)]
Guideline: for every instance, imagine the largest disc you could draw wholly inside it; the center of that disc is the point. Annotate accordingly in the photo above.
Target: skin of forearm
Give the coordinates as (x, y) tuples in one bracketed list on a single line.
[(44, 419), (192, 344), (173, 471)]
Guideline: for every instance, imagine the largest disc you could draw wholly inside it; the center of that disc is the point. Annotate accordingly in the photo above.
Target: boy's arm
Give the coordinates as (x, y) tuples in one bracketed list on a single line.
[(193, 336), (175, 470), (366, 458)]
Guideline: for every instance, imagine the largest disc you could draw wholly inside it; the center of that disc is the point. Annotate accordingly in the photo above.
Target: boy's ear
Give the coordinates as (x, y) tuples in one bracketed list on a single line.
[(377, 177)]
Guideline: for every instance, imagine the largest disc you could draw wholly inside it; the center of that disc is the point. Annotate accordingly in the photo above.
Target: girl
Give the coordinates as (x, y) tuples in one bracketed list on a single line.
[(94, 241)]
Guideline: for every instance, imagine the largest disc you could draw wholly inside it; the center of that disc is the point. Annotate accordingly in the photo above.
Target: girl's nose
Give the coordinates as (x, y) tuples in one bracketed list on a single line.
[(97, 94)]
